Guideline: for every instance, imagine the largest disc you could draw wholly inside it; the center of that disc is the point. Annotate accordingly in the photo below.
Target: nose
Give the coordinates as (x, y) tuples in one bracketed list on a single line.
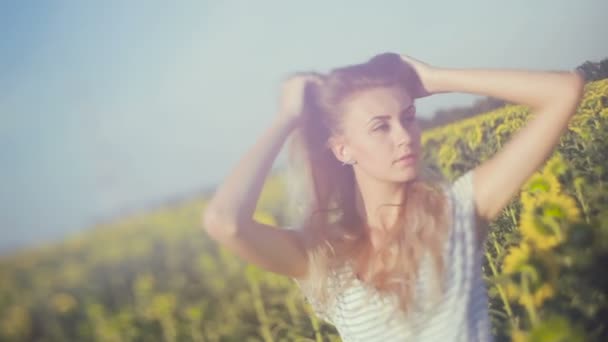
[(403, 136)]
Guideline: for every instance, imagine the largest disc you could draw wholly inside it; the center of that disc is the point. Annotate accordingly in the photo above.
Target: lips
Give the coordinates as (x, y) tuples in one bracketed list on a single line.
[(412, 155)]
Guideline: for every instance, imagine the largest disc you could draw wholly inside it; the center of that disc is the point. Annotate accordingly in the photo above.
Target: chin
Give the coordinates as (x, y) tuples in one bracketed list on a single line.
[(408, 174)]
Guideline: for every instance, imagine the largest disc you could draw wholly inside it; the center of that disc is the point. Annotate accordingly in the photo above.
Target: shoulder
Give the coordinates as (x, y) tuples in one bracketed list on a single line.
[(463, 184), (463, 191)]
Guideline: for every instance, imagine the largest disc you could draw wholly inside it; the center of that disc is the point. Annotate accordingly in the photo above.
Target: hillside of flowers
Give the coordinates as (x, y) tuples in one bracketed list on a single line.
[(158, 276)]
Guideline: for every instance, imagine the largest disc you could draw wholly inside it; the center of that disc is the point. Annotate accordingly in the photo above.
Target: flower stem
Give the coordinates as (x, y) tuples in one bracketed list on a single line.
[(501, 291), (528, 302)]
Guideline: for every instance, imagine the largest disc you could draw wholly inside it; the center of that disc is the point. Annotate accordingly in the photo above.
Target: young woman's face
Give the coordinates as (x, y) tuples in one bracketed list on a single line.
[(380, 126)]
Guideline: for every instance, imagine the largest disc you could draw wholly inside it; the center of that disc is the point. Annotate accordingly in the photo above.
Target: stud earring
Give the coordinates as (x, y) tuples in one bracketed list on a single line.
[(349, 162)]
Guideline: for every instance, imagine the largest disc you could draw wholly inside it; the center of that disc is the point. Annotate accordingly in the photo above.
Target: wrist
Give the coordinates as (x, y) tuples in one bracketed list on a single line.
[(288, 122), (435, 80)]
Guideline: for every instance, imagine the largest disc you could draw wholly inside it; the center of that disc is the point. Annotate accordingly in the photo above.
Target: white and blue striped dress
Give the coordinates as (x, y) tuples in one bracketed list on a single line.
[(462, 314)]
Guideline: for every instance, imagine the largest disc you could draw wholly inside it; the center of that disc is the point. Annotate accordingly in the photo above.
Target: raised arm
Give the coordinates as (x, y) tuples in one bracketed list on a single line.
[(553, 97), (229, 216)]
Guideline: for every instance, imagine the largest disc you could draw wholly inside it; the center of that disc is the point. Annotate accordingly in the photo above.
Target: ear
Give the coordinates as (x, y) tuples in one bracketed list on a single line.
[(339, 148)]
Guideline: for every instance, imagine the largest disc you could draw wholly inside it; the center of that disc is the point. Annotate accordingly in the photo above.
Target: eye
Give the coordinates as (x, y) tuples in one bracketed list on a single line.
[(382, 127)]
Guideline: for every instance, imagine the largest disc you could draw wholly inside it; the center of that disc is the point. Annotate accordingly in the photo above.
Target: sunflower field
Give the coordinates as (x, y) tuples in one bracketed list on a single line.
[(157, 276)]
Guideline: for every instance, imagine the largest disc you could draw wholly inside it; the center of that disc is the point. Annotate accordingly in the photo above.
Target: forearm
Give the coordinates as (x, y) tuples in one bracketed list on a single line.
[(532, 88), (237, 196)]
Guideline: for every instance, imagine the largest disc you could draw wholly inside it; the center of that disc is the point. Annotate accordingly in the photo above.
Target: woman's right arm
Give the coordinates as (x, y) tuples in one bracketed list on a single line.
[(228, 218)]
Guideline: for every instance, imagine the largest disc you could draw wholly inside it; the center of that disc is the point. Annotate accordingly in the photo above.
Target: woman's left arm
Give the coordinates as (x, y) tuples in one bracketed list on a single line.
[(553, 97)]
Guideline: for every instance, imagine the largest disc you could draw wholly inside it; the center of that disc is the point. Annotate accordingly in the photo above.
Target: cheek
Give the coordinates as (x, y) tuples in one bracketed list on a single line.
[(416, 132), (376, 151)]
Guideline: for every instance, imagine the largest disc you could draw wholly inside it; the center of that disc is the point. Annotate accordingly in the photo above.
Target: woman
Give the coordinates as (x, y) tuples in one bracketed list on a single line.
[(386, 249)]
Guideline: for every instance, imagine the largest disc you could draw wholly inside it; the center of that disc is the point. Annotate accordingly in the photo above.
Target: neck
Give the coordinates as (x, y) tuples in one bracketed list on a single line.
[(376, 202)]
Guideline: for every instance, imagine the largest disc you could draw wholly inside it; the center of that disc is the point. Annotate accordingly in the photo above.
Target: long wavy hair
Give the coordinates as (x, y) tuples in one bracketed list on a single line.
[(322, 191)]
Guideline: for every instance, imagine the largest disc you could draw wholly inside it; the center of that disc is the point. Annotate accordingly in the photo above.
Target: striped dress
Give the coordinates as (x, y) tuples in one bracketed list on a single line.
[(461, 315)]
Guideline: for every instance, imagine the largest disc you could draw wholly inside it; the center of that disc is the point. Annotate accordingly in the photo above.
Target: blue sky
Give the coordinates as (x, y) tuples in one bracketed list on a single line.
[(111, 105)]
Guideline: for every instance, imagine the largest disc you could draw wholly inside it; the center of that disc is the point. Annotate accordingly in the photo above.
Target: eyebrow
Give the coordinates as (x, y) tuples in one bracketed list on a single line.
[(388, 116)]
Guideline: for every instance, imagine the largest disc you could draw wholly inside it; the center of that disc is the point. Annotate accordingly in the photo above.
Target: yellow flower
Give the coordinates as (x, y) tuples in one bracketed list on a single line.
[(538, 234), (543, 221), (557, 328), (517, 257), (555, 165), (16, 321), (474, 136), (516, 260), (538, 297), (540, 183), (546, 291), (63, 302), (447, 154), (519, 335), (539, 269)]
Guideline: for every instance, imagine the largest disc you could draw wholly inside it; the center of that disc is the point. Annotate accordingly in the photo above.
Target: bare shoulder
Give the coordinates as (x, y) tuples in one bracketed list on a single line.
[(465, 188)]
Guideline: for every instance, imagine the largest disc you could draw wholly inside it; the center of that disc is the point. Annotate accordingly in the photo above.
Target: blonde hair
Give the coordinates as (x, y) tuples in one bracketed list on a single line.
[(323, 192)]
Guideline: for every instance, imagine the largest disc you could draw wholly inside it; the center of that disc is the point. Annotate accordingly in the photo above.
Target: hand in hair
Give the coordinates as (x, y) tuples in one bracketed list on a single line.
[(425, 74), (293, 91)]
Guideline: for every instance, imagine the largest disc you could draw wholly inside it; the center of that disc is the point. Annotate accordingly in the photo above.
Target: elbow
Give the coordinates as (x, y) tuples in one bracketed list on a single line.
[(208, 219), (570, 92), (577, 85), (216, 225)]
